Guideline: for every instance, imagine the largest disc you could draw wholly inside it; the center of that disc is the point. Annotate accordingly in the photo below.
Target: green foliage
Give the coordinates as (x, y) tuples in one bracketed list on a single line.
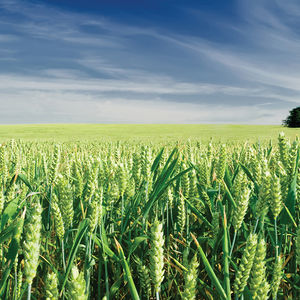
[(91, 212), (293, 119)]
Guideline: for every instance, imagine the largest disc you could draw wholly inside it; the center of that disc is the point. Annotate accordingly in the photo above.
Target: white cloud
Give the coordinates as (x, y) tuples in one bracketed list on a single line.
[(68, 80), (70, 107)]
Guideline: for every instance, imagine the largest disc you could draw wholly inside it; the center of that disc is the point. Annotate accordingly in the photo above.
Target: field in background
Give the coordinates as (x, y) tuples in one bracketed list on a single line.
[(89, 132)]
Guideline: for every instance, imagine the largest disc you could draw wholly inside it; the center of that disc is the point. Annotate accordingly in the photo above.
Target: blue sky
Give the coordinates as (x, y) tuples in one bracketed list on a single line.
[(148, 61)]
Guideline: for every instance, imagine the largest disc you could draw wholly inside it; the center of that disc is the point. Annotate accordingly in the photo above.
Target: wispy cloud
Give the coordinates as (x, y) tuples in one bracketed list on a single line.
[(267, 56), (69, 80), (7, 38), (54, 106)]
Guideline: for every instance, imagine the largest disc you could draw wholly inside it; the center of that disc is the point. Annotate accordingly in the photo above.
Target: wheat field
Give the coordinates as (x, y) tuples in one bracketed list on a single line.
[(150, 219)]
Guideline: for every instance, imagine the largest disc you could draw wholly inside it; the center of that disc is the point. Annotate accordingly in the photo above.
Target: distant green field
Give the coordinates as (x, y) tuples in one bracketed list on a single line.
[(155, 133)]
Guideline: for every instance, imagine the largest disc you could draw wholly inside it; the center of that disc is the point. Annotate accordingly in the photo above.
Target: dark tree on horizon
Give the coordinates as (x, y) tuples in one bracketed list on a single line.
[(293, 119)]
